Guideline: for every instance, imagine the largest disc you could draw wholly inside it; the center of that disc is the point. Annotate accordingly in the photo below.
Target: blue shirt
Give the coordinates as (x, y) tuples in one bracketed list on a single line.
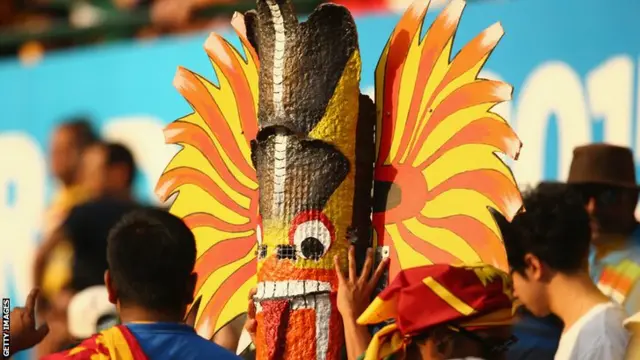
[(618, 271), (538, 338), (174, 341)]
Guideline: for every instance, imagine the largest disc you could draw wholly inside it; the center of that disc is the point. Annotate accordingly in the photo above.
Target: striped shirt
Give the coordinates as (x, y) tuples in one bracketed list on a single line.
[(617, 272)]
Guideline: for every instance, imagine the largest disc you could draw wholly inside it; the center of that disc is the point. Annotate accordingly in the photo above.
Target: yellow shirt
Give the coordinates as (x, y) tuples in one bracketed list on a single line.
[(57, 271)]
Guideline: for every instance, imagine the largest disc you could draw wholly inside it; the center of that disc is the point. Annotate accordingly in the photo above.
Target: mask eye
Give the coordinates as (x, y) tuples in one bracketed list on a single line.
[(312, 234)]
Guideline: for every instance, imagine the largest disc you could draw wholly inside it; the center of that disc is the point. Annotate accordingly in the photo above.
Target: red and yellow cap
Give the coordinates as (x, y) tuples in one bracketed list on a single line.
[(470, 296)]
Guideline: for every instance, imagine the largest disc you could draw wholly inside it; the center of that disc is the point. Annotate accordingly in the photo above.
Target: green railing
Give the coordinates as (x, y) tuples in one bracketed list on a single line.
[(117, 22)]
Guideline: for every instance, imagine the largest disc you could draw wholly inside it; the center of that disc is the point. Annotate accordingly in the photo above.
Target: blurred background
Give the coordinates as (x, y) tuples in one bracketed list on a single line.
[(573, 64)]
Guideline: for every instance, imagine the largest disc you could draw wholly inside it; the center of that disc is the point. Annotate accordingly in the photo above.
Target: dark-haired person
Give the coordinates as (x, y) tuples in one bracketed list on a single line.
[(108, 172), (538, 337), (67, 145), (548, 248), (150, 279), (605, 177)]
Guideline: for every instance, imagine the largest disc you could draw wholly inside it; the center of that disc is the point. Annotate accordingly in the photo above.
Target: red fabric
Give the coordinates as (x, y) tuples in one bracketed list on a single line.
[(116, 343), (409, 292), (132, 342)]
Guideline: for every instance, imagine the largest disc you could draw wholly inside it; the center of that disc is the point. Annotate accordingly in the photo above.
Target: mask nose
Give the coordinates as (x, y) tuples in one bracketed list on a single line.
[(286, 252)]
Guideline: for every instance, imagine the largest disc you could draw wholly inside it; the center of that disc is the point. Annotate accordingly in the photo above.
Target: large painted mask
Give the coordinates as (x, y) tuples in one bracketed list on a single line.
[(314, 131), (279, 159)]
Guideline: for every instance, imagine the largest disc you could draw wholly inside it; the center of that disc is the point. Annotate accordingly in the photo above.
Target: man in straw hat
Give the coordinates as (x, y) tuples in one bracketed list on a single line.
[(605, 177), (442, 311)]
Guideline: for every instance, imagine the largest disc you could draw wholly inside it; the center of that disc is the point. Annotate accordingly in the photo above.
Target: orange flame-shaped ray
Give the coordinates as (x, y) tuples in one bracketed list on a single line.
[(437, 143), (215, 182)]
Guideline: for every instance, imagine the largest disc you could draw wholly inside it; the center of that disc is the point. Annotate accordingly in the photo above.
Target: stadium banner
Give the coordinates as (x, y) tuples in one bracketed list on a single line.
[(573, 64)]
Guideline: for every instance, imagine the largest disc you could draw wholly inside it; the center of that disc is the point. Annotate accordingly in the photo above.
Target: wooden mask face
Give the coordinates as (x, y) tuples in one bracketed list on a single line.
[(313, 159)]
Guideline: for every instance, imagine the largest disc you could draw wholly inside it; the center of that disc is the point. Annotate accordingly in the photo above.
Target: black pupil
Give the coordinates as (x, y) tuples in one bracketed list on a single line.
[(312, 248)]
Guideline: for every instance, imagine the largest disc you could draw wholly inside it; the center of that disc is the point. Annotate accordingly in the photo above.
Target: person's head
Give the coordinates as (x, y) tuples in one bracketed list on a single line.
[(611, 208), (550, 237), (67, 144), (604, 175), (151, 256), (430, 326), (108, 169), (451, 342)]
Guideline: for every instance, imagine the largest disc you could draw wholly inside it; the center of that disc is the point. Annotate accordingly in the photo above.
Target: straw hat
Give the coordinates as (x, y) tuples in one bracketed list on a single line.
[(603, 164)]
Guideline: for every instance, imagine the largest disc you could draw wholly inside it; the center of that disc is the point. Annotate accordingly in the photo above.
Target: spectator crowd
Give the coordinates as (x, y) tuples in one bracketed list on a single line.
[(108, 262), (113, 277)]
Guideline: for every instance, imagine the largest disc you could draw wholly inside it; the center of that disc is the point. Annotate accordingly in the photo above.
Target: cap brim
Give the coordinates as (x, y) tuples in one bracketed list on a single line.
[(503, 317)]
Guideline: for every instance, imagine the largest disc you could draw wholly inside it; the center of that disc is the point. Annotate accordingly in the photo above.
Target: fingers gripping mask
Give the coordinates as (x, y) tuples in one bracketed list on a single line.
[(315, 130)]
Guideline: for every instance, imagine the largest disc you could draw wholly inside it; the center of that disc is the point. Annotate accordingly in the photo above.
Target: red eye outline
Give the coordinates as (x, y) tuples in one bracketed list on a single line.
[(312, 215)]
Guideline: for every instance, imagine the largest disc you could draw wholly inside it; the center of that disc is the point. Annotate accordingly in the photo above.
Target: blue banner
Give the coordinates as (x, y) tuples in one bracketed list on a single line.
[(573, 65)]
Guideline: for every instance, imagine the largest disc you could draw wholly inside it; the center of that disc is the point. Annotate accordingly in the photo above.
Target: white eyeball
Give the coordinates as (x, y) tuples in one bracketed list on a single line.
[(312, 239)]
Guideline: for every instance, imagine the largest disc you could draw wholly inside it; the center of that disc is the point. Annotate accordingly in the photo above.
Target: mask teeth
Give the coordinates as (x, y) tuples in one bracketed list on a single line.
[(289, 289), (281, 289), (303, 302), (322, 304)]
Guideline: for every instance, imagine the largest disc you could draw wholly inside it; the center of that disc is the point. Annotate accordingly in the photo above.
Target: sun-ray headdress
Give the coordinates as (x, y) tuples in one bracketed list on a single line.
[(437, 171), (274, 178)]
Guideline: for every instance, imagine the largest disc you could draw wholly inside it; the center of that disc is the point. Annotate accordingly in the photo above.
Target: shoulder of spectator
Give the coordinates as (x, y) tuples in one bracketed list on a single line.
[(604, 345), (81, 208), (597, 348), (78, 216)]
